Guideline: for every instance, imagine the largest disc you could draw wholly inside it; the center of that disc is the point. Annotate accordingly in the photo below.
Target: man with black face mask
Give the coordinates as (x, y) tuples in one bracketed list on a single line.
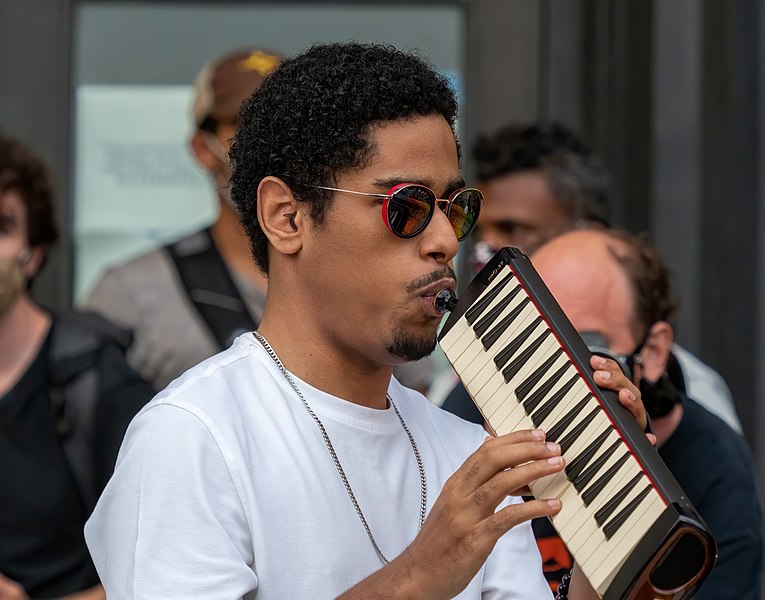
[(542, 180), (616, 291)]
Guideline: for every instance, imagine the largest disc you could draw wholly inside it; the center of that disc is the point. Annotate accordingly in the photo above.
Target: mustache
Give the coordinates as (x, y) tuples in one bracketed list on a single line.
[(424, 281)]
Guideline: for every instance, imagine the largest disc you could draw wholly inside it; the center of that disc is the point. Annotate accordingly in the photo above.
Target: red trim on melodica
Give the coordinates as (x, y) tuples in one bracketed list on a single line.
[(587, 383)]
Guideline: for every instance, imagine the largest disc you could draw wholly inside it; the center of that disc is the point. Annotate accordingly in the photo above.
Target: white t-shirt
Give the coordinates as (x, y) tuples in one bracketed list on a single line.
[(224, 489)]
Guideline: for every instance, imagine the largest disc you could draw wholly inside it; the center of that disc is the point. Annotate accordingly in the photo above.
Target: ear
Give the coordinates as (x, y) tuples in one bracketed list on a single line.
[(655, 352), (281, 217), (201, 150), (32, 266)]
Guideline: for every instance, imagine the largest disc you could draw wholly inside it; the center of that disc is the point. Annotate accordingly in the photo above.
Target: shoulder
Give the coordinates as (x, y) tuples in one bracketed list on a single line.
[(700, 423), (202, 411), (714, 466), (213, 388), (89, 328), (152, 268), (77, 337), (706, 449), (146, 268), (138, 290)]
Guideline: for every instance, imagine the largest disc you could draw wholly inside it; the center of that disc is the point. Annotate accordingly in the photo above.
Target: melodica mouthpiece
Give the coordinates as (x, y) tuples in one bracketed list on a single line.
[(445, 300)]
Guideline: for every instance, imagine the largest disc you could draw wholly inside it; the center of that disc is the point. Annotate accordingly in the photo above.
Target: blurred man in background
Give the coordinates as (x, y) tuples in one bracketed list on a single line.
[(66, 398), (616, 291), (188, 300), (540, 181)]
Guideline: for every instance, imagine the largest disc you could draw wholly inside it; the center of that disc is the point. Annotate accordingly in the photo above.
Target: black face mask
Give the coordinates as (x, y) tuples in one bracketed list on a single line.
[(659, 398)]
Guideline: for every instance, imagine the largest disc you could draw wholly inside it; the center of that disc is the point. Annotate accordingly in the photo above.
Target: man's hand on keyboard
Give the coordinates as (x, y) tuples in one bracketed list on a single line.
[(609, 376), (464, 523)]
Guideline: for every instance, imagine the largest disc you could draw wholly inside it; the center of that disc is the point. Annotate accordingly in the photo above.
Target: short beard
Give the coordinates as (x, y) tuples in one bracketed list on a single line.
[(410, 347)]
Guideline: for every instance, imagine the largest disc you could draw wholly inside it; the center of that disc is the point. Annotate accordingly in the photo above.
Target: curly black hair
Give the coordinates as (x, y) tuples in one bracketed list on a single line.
[(24, 173), (578, 179), (651, 280), (310, 121)]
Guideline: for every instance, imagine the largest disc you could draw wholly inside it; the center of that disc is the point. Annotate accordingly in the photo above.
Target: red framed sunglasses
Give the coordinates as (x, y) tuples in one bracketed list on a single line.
[(408, 208)]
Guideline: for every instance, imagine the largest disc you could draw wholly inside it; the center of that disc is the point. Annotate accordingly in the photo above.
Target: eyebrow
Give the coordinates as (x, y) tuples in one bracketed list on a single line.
[(390, 182)]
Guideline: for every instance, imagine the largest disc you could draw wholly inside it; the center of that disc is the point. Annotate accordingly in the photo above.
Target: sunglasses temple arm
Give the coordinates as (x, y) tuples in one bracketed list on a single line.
[(331, 189)]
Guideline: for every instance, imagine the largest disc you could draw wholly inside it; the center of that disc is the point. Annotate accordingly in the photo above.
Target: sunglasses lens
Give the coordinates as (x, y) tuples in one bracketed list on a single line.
[(409, 210), (463, 211)]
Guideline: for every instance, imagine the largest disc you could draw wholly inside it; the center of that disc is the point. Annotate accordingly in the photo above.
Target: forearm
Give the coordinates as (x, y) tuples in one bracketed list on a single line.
[(398, 580)]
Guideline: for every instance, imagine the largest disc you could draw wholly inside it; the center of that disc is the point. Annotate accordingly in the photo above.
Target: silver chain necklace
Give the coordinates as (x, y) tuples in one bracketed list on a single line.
[(336, 460)]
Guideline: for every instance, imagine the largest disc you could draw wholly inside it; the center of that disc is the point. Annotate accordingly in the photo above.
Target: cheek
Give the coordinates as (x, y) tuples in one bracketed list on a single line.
[(367, 276), (344, 262), (10, 246)]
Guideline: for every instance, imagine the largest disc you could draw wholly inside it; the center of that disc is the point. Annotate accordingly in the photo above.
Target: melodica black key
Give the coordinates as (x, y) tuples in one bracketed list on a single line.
[(575, 467), (611, 505), (512, 348), (541, 415), (636, 535), (554, 432), (476, 310), (511, 370), (545, 388), (581, 479), (482, 325), (490, 338), (592, 492), (523, 389)]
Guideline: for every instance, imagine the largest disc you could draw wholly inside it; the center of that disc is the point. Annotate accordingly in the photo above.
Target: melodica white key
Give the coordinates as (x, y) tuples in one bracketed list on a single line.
[(624, 517)]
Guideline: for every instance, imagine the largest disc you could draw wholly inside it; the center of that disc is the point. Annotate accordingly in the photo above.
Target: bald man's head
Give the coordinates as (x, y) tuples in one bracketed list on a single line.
[(591, 287), (608, 281)]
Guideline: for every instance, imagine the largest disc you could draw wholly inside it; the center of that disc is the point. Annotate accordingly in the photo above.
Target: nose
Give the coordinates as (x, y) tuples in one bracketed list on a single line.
[(439, 240)]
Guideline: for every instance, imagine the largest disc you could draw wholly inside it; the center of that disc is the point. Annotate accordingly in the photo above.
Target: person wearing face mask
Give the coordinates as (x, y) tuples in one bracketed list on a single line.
[(187, 300), (542, 180), (616, 291), (11, 279), (67, 395)]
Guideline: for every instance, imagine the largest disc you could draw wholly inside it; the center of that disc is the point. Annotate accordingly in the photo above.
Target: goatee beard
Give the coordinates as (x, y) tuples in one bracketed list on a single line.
[(410, 347)]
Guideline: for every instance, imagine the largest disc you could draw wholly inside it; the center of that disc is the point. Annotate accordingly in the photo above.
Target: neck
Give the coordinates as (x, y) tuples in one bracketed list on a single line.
[(234, 246), (665, 426), (315, 355), (22, 331)]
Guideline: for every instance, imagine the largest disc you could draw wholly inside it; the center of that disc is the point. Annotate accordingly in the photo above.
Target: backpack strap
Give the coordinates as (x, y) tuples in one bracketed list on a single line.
[(76, 340), (210, 288)]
